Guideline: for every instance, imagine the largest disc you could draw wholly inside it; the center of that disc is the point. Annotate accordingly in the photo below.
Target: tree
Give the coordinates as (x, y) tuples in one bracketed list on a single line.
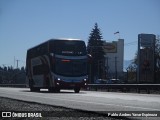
[(22, 69), (131, 73), (157, 53), (94, 48), (157, 59), (135, 59)]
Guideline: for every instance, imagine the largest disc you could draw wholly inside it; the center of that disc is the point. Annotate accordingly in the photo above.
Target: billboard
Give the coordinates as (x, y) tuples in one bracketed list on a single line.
[(146, 40), (110, 47), (146, 49)]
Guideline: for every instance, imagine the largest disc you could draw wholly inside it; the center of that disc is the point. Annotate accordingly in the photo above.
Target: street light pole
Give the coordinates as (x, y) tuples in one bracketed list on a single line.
[(116, 67)]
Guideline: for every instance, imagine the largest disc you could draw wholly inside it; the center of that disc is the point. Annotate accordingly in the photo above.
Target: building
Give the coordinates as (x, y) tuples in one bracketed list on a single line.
[(114, 58), (146, 58)]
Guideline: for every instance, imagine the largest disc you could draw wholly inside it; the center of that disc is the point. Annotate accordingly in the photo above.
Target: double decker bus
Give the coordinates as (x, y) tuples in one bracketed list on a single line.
[(57, 64)]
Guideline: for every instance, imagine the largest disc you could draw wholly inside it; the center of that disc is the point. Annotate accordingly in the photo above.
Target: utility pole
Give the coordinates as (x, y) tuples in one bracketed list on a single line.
[(107, 65), (98, 68), (17, 63), (116, 67), (14, 61)]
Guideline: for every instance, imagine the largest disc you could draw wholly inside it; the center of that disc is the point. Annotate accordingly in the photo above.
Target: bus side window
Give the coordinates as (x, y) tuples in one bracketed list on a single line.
[(40, 69), (45, 69)]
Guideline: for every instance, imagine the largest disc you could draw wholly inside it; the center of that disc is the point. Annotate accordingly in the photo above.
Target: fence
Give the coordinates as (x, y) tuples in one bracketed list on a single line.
[(125, 87), (13, 85), (109, 87)]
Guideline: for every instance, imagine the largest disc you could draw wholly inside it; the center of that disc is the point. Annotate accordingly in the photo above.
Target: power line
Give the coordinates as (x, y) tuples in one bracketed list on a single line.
[(131, 43)]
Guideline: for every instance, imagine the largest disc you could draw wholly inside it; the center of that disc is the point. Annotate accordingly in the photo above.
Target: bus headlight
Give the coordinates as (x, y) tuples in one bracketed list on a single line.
[(85, 80), (57, 83)]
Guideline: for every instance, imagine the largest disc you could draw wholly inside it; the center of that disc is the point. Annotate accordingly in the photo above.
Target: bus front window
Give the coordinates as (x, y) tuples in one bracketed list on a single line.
[(70, 48), (71, 67)]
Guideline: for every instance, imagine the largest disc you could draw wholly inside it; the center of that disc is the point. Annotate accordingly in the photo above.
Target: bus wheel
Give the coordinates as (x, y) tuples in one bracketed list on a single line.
[(76, 90), (51, 90), (33, 89), (55, 90)]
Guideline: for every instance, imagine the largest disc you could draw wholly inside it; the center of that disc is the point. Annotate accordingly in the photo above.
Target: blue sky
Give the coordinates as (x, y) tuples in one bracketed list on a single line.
[(26, 23)]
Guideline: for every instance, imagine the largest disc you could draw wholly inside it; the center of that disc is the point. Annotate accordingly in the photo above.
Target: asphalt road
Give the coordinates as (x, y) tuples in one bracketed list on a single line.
[(87, 100)]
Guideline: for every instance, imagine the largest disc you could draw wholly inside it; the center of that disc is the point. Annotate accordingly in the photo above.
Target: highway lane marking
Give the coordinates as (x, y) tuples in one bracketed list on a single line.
[(86, 102)]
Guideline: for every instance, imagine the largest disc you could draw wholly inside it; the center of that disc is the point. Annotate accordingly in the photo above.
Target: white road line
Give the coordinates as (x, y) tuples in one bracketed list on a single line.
[(95, 103)]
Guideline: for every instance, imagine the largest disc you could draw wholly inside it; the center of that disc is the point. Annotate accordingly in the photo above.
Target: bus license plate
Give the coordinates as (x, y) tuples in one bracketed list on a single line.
[(72, 85)]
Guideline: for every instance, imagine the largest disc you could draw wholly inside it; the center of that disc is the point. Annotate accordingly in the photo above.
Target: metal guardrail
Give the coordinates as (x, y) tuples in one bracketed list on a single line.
[(125, 87), (13, 85), (108, 87)]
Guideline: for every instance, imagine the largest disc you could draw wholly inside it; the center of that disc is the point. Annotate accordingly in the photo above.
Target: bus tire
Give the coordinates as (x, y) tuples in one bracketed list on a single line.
[(54, 90), (57, 90), (51, 90), (33, 89), (76, 90)]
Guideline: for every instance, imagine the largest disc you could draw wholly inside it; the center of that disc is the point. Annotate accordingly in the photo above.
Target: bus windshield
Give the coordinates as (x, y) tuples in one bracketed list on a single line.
[(71, 67), (70, 48)]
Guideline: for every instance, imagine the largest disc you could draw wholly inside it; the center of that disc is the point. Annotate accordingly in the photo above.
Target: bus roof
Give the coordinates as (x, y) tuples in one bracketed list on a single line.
[(66, 39), (54, 39)]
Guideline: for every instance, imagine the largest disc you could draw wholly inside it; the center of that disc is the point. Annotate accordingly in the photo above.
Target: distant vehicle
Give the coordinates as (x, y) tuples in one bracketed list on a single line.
[(57, 64), (100, 81), (114, 81)]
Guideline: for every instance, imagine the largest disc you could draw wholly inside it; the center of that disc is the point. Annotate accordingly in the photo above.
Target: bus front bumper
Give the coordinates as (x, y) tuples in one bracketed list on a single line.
[(71, 83)]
